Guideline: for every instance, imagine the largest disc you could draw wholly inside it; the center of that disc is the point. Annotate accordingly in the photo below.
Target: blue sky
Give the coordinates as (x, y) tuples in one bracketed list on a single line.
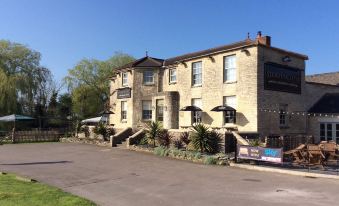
[(65, 31)]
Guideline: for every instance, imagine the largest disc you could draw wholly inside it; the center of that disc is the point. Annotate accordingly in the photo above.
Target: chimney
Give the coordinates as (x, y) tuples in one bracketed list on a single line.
[(265, 40)]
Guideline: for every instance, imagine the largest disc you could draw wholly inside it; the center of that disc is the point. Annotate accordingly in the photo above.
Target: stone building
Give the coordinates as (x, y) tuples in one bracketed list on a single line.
[(263, 87)]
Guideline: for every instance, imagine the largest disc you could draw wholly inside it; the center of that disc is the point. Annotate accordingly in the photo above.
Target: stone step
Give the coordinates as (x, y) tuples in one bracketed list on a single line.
[(122, 144)]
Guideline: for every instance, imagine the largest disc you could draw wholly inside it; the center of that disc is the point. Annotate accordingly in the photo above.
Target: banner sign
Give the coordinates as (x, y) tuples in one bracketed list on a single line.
[(260, 153), (282, 78), (124, 93)]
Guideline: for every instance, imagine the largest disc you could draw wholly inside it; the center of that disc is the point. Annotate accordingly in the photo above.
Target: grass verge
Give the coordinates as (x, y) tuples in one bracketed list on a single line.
[(14, 192)]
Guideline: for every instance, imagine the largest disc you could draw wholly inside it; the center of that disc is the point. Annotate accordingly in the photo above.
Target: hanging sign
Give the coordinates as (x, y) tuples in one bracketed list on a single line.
[(282, 78), (124, 93), (260, 153)]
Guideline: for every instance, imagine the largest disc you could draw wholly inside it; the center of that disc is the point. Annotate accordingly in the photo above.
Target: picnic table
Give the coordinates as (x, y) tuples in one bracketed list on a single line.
[(314, 154)]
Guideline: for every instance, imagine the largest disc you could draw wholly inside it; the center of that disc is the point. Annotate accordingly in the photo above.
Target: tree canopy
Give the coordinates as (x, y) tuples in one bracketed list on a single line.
[(25, 85), (88, 83)]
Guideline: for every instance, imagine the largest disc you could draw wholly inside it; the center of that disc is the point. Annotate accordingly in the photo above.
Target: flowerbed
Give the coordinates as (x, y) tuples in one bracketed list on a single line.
[(86, 141), (217, 159)]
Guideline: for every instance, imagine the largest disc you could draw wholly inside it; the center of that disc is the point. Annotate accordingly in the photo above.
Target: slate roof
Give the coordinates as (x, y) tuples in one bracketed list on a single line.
[(331, 78), (327, 104), (155, 62)]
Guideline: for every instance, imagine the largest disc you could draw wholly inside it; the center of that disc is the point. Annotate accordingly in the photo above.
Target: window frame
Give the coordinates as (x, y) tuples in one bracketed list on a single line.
[(146, 116), (283, 117), (230, 117), (170, 75), (145, 77), (193, 75), (196, 116), (225, 70), (123, 79), (123, 111)]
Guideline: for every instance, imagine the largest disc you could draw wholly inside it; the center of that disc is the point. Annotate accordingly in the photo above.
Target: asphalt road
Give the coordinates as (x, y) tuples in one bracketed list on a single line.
[(112, 177)]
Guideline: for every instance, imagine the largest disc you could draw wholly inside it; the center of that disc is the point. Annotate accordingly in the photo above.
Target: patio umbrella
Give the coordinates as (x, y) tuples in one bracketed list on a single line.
[(15, 118), (225, 109), (190, 108), (222, 108), (106, 112)]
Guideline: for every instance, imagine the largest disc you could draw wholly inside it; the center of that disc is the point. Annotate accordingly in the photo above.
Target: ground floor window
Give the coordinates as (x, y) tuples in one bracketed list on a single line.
[(197, 115), (230, 116), (147, 110), (160, 110), (329, 131), (283, 115), (123, 110)]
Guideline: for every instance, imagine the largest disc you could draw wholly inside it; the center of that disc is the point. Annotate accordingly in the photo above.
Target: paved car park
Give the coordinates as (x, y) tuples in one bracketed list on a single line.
[(113, 176)]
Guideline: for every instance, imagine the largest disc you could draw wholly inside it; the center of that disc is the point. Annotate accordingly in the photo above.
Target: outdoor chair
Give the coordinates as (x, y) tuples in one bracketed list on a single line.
[(298, 154), (315, 155), (329, 151)]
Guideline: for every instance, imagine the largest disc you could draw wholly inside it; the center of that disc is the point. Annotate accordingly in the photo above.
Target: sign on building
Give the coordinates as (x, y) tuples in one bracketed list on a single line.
[(260, 153), (124, 93), (282, 78)]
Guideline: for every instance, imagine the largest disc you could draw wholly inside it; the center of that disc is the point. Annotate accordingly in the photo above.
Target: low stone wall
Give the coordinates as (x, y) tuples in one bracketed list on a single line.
[(135, 138), (86, 141), (121, 136)]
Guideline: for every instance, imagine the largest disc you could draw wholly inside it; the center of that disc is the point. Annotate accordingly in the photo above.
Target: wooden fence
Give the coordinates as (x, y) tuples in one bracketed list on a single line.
[(288, 142), (37, 136)]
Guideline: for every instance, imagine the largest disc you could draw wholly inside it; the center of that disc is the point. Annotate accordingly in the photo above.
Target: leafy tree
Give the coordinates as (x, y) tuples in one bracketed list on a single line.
[(25, 86), (88, 83)]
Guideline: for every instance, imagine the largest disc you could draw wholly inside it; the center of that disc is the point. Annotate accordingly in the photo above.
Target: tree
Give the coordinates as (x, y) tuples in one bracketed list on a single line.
[(25, 85), (88, 83)]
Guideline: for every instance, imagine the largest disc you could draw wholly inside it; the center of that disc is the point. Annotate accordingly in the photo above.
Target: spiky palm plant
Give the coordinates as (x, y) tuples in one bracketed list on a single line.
[(204, 140), (200, 137), (153, 129)]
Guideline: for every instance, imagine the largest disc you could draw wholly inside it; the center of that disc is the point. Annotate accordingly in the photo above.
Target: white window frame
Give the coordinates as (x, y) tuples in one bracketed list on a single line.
[(124, 77), (330, 131), (124, 110), (172, 77), (230, 116), (146, 79), (197, 73), (230, 68), (147, 107), (197, 115)]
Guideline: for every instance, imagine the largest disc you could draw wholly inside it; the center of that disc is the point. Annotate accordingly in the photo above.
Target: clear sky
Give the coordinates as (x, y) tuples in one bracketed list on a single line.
[(65, 31)]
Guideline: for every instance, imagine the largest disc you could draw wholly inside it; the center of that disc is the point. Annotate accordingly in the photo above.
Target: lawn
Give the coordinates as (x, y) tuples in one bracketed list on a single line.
[(14, 192)]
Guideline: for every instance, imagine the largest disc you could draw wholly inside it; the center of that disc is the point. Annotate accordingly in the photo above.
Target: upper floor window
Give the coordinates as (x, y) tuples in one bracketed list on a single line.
[(147, 110), (230, 116), (283, 115), (124, 79), (196, 73), (173, 75), (148, 77), (230, 69)]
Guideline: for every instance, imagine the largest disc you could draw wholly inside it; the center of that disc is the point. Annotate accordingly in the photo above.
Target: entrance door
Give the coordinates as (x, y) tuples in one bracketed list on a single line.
[(160, 110), (329, 131)]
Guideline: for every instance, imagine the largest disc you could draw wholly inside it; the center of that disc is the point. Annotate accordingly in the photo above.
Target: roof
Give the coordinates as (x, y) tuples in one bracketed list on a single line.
[(331, 78), (146, 61), (329, 103), (155, 62)]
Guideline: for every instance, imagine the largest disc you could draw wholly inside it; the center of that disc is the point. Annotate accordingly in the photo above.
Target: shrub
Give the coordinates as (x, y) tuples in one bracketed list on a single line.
[(153, 130), (255, 142), (85, 129), (184, 137), (100, 129), (204, 140), (210, 160), (214, 142), (161, 151), (177, 143), (197, 156), (164, 138)]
